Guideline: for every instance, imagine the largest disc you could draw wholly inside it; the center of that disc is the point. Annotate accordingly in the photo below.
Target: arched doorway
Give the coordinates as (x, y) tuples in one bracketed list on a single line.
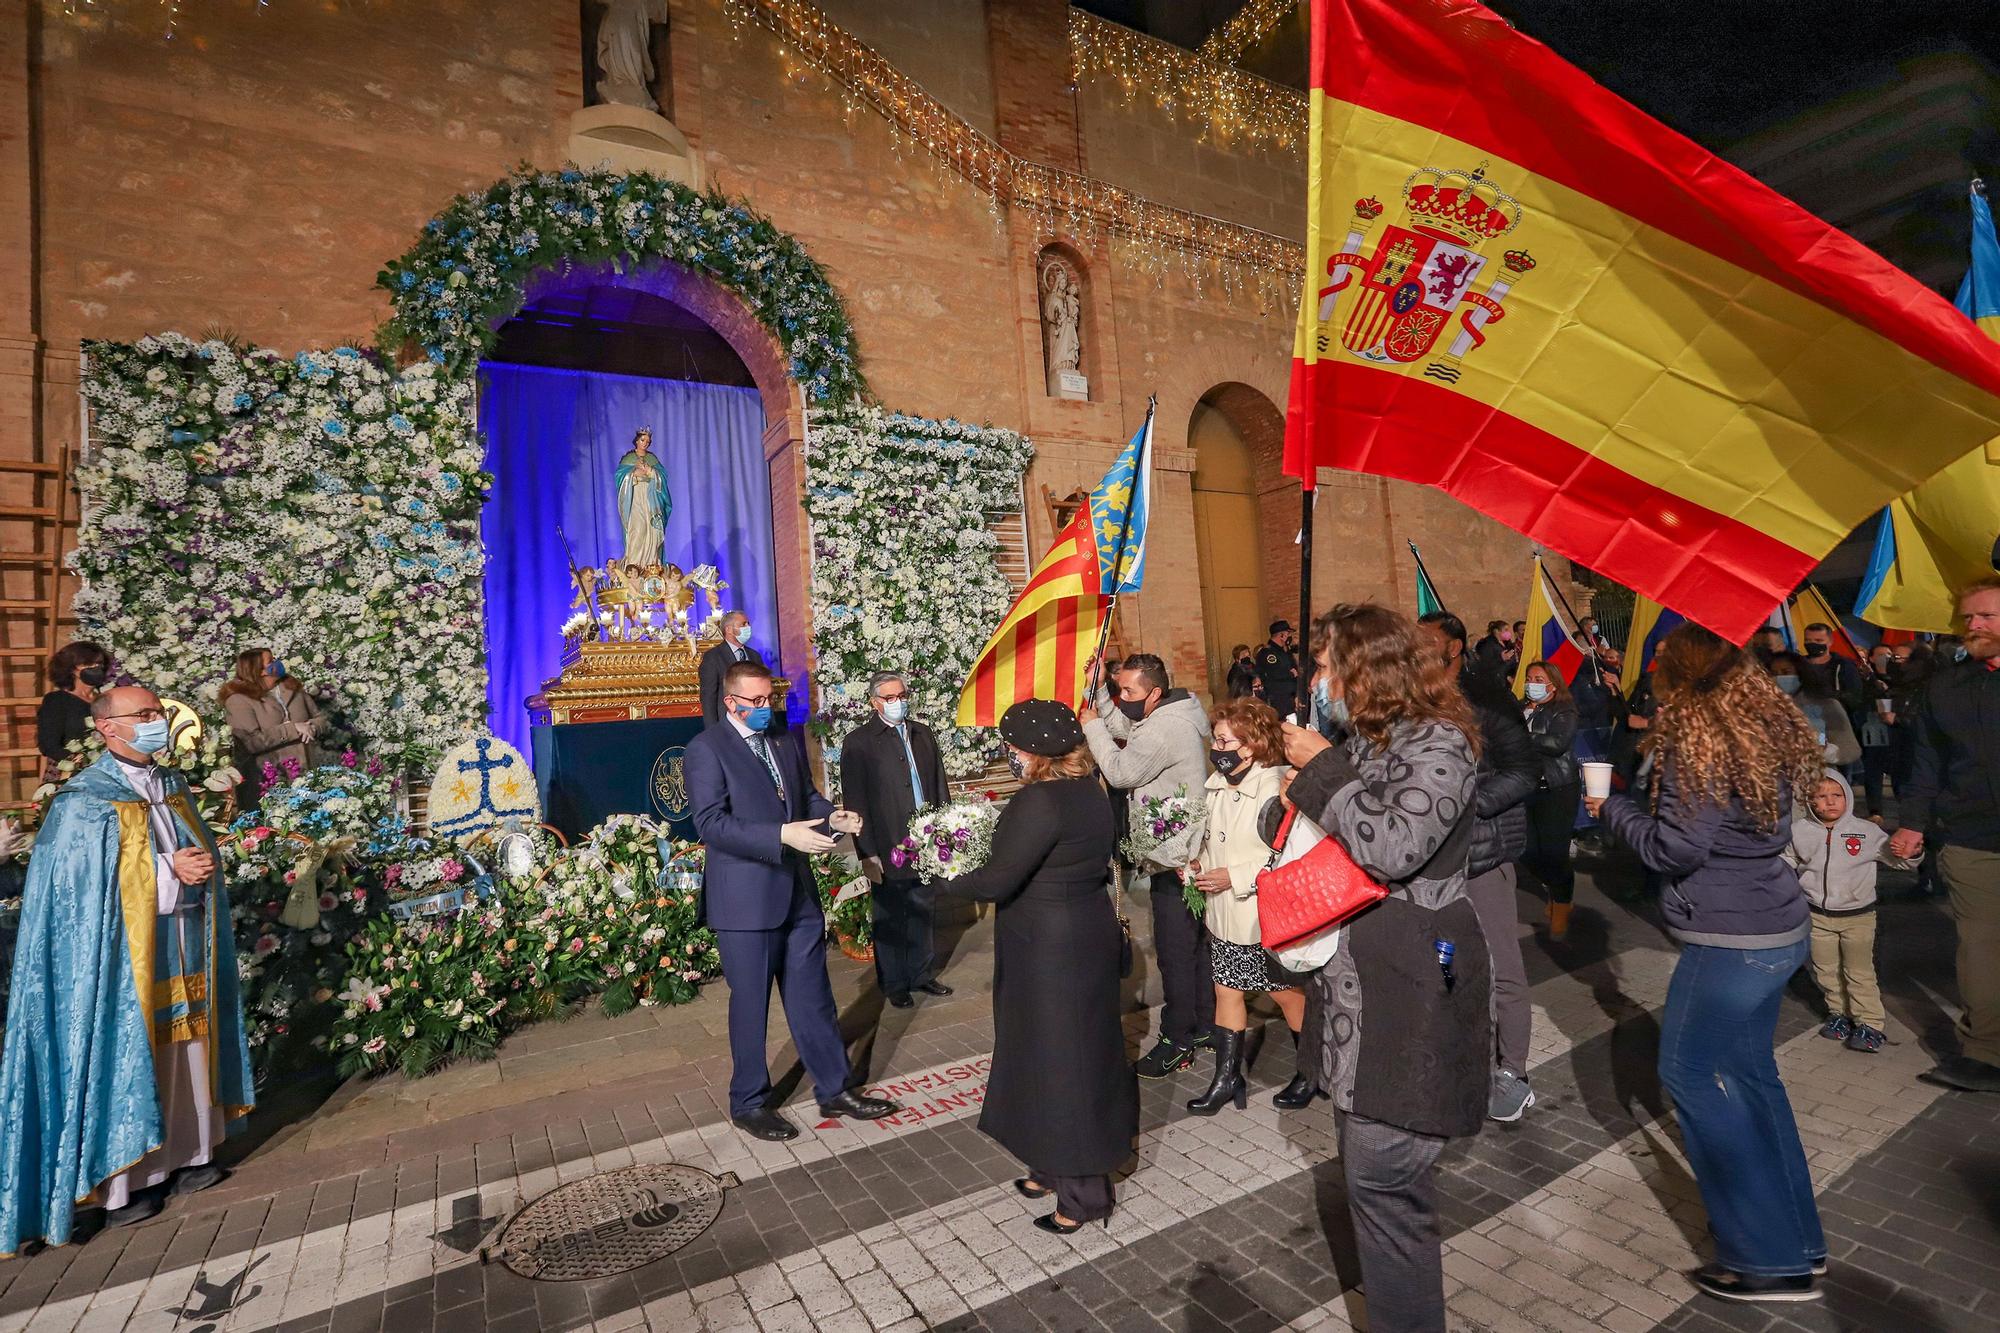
[(1230, 431), (593, 355)]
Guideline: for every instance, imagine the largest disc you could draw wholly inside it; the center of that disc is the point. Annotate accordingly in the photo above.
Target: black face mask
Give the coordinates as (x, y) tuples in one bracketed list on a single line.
[(1017, 765), (1227, 762), (94, 676), (1815, 651), (1133, 708)]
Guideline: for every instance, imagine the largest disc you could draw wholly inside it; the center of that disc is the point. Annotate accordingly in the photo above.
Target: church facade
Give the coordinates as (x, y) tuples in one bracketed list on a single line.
[(252, 173)]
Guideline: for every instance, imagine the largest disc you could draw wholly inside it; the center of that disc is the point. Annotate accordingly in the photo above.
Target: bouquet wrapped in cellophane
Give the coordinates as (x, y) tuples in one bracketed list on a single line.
[(1165, 834), (946, 841)]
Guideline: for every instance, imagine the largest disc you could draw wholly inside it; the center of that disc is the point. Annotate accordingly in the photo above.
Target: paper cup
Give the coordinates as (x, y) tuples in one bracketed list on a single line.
[(1885, 706), (1596, 780)]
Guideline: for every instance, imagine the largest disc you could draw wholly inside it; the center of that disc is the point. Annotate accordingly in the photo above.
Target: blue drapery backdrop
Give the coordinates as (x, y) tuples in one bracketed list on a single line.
[(553, 439)]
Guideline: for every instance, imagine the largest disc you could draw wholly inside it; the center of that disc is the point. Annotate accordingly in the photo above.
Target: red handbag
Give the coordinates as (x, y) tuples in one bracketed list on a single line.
[(1322, 888)]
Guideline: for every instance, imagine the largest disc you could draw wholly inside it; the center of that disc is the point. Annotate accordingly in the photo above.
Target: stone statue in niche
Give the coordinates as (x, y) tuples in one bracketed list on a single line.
[(625, 51), (1062, 319)]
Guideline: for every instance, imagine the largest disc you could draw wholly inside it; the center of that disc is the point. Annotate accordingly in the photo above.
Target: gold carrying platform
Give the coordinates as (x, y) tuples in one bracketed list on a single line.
[(627, 682)]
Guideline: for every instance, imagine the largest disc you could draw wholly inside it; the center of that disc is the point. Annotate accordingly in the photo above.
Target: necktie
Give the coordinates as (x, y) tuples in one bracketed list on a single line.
[(916, 781), (762, 745)]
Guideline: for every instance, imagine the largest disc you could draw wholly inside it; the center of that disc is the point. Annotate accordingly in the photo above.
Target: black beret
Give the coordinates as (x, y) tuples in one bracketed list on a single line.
[(1041, 726)]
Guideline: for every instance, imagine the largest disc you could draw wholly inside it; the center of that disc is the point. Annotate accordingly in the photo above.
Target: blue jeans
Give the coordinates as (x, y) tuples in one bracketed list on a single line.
[(1716, 1061)]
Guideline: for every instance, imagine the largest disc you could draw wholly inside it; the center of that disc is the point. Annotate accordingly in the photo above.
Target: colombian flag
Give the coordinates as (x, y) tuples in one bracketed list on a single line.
[(1044, 644), (1527, 293), (1651, 624), (1548, 636)]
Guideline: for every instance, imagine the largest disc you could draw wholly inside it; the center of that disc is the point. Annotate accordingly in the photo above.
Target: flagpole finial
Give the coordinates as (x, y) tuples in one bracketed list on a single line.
[(1978, 185)]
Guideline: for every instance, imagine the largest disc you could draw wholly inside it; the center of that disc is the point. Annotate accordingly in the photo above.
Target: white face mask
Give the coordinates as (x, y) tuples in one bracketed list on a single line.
[(895, 710), (1538, 690), (743, 632)]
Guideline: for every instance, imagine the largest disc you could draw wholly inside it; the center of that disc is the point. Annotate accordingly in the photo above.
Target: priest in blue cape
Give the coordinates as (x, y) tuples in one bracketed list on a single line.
[(125, 1063)]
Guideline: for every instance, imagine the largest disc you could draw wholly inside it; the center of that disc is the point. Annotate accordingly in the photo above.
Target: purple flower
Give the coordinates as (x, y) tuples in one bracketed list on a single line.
[(899, 858), (348, 759), (962, 837), (944, 854)]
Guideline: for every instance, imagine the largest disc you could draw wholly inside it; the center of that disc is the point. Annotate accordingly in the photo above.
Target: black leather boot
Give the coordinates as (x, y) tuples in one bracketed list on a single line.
[(1228, 1084), (1296, 1095)]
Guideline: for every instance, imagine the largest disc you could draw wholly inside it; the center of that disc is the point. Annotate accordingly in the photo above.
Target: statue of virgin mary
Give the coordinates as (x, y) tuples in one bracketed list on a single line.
[(643, 502)]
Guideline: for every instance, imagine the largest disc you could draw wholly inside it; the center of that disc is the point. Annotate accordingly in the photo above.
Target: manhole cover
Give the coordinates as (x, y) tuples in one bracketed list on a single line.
[(611, 1223)]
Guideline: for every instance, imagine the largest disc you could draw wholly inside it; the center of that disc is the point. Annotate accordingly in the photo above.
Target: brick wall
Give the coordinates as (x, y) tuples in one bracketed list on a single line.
[(253, 176)]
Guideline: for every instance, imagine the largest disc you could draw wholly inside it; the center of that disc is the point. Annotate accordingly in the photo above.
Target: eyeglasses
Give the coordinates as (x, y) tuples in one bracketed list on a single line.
[(148, 715), (760, 701), (891, 698)]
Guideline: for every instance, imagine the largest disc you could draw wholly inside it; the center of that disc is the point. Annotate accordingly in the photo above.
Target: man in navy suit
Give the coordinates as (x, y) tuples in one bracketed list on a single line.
[(760, 817)]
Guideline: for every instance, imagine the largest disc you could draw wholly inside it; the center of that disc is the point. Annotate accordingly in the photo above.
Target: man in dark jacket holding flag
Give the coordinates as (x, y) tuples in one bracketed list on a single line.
[(1509, 769)]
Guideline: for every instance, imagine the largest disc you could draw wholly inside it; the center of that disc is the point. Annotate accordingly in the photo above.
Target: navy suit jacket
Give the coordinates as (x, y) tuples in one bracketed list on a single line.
[(751, 874)]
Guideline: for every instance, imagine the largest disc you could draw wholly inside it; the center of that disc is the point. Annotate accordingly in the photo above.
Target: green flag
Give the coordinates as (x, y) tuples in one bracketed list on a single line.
[(1427, 594)]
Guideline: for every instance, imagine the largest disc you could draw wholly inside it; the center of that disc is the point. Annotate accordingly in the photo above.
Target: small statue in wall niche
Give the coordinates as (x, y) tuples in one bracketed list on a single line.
[(1062, 318), (625, 51)]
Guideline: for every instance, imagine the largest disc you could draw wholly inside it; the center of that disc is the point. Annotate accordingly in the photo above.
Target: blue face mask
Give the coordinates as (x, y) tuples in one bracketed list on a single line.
[(1538, 690), (759, 718), (150, 737), (1321, 703), (1337, 710), (277, 669), (1789, 684)]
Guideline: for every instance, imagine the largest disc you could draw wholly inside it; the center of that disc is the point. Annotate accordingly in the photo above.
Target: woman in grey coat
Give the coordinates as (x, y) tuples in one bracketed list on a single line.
[(271, 719), (1397, 1031)]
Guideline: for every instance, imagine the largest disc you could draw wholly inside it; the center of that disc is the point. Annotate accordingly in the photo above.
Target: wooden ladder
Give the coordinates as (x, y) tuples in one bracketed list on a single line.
[(23, 659)]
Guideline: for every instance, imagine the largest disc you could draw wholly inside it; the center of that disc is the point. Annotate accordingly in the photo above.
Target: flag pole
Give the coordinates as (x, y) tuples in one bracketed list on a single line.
[(1118, 551), (1306, 494), (1840, 627)]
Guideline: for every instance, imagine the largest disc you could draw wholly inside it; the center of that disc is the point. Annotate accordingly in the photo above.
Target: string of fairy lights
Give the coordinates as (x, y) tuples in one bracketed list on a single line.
[(1250, 25), (168, 11), (1210, 253), (1224, 103)]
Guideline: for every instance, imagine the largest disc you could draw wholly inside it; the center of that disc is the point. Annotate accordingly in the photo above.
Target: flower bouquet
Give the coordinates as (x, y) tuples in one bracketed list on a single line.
[(1165, 833), (946, 841)]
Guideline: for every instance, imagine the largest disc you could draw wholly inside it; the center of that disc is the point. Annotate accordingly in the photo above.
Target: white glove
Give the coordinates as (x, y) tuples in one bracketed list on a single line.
[(801, 836)]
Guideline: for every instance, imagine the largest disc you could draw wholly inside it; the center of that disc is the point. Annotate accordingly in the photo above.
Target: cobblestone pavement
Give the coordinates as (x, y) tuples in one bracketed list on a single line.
[(382, 1209)]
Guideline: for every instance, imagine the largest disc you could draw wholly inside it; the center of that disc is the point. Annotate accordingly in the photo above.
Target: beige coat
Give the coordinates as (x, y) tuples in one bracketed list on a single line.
[(266, 732), (1231, 842)]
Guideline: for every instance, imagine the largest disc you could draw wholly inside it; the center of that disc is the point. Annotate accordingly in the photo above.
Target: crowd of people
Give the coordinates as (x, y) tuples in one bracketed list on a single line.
[(1401, 741)]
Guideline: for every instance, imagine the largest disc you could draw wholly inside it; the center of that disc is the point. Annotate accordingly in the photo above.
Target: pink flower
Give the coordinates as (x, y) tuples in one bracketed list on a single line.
[(450, 869), (266, 943), (349, 759), (293, 767), (576, 946), (271, 773), (291, 877), (327, 902), (374, 768), (394, 875), (360, 898)]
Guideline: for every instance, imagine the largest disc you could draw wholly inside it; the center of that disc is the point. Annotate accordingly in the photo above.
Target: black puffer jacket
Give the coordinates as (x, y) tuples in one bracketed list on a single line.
[(1509, 770), (1552, 728)]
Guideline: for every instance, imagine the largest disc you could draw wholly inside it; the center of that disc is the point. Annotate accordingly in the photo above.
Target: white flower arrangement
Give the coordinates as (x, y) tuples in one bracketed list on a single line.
[(905, 574), (946, 841)]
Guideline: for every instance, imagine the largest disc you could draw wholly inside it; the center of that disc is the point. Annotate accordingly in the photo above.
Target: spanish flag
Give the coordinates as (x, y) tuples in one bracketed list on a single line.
[(1529, 294), (1043, 646)]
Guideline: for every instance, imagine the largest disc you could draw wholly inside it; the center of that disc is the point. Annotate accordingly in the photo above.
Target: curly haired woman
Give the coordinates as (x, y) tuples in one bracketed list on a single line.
[(1729, 751)]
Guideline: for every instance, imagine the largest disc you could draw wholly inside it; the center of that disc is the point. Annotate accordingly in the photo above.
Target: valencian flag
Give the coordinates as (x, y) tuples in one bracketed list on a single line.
[(1529, 294), (1045, 643), (1549, 635), (1651, 624), (1946, 532)]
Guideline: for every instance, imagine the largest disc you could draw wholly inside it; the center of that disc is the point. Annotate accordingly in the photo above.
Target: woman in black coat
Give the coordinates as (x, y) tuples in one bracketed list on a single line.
[(1551, 718), (1062, 1096)]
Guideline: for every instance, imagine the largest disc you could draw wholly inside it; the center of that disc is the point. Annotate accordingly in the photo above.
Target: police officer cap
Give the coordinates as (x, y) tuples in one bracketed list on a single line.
[(1041, 726), (1281, 627)]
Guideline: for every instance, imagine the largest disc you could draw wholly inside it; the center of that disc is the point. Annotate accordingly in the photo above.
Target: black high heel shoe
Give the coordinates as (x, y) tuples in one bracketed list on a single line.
[(1228, 1085), (1049, 1223), (1296, 1095), (1028, 1189)]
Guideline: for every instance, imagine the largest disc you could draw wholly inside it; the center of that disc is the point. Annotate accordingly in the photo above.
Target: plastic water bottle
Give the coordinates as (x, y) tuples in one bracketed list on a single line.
[(1446, 951)]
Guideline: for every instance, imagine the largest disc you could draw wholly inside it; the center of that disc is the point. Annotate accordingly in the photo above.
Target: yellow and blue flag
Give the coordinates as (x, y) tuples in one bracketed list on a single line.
[(1119, 508), (1943, 534), (1548, 636)]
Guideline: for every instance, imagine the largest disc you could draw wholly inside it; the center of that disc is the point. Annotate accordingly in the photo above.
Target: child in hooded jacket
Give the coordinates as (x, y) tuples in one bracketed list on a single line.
[(1836, 855)]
